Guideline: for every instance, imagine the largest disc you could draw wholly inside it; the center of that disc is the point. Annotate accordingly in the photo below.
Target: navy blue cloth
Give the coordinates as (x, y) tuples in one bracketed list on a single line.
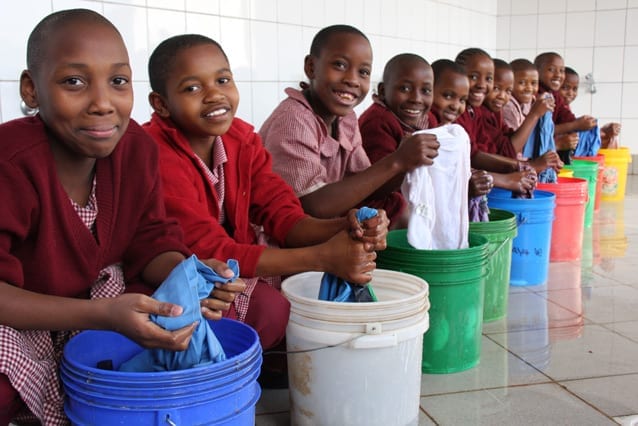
[(588, 143), (188, 283), (540, 141), (337, 289)]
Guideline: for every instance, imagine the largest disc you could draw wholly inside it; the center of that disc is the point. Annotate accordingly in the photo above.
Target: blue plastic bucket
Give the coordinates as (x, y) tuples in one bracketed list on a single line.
[(531, 247), (223, 393)]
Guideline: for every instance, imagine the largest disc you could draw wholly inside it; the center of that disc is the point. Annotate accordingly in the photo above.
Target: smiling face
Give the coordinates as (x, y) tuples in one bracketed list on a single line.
[(501, 91), (552, 72), (84, 92), (201, 97), (408, 91), (525, 86), (569, 89), (339, 76), (480, 71), (451, 91)]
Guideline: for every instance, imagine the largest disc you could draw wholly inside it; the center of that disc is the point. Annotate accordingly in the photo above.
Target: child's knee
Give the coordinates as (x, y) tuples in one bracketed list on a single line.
[(268, 314), (10, 402)]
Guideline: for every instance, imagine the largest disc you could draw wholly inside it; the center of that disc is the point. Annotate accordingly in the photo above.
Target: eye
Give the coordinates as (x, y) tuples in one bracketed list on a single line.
[(426, 91), (339, 65), (364, 72), (192, 88), (224, 80), (120, 81), (73, 81), (489, 79), (404, 89)]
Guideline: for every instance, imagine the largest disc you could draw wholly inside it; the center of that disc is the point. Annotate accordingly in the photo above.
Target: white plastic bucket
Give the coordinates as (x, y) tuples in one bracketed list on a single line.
[(356, 363)]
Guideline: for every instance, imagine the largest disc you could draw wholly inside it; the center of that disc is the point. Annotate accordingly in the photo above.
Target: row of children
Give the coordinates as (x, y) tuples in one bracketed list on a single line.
[(97, 213)]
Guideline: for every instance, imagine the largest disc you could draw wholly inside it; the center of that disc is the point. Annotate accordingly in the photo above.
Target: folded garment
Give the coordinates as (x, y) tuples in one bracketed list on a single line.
[(337, 289), (588, 142), (188, 283)]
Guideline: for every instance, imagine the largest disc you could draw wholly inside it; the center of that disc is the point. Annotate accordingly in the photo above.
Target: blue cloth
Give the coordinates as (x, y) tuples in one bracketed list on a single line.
[(588, 143), (540, 141), (337, 289), (186, 285)]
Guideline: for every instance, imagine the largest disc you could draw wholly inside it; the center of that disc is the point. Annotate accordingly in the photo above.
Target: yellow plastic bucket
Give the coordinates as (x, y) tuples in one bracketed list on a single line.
[(615, 173), (566, 173)]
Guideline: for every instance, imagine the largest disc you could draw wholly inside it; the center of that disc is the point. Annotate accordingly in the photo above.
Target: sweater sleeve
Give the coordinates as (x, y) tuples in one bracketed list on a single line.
[(380, 137)]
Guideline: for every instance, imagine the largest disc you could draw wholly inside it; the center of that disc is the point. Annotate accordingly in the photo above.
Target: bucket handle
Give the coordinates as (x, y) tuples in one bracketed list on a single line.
[(520, 219), (169, 418)]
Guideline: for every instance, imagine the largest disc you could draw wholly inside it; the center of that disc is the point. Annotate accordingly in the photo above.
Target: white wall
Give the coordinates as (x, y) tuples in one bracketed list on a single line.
[(266, 40), (593, 36)]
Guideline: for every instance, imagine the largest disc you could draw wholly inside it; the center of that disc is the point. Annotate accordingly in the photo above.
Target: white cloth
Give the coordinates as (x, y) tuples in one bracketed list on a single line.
[(437, 195)]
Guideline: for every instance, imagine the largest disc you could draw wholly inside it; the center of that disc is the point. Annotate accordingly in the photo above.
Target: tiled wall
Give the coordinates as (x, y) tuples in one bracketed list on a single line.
[(593, 36), (266, 40)]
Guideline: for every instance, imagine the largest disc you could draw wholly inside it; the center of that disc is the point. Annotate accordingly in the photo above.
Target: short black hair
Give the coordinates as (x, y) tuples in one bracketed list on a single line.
[(541, 59), (323, 36), (161, 61), (570, 71), (441, 66), (465, 54), (500, 64), (522, 64), (399, 60), (37, 42)]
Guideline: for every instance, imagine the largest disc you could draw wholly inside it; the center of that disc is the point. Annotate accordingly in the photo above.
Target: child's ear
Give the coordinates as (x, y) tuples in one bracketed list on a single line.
[(27, 90), (158, 104), (381, 91), (309, 66)]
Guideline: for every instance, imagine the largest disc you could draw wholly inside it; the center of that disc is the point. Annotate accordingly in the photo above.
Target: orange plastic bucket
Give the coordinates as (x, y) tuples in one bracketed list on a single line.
[(569, 223), (600, 159)]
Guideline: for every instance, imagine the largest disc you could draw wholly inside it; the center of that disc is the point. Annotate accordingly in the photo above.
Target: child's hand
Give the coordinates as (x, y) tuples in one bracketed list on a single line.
[(610, 129), (586, 122), (481, 183), (566, 141), (548, 160), (521, 181), (372, 232), (417, 150), (224, 294), (542, 105), (129, 315), (347, 258)]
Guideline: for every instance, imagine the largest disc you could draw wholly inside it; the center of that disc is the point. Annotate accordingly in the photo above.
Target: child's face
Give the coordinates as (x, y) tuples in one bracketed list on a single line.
[(569, 89), (552, 72), (525, 86), (480, 71), (340, 76), (82, 89), (502, 90), (201, 96), (451, 91), (408, 92)]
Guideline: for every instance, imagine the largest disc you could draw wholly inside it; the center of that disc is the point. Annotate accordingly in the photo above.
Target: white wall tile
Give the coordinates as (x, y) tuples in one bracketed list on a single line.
[(165, 24), (524, 7), (551, 31), (289, 11), (292, 51), (608, 64), (235, 39), (529, 54), (628, 134), (10, 100), (606, 100), (632, 3), (263, 10), (208, 25), (265, 98), (525, 30), (504, 54), (581, 59), (72, 4), (372, 16), (141, 108), (335, 11), (629, 100), (353, 15), (611, 4), (461, 19), (631, 64), (580, 5), (430, 24), (632, 27), (503, 37), (582, 104), (245, 109), (131, 22), (202, 6), (579, 29), (504, 7), (167, 4), (235, 8), (552, 6), (313, 13), (610, 28), (131, 2), (389, 18), (264, 51), (443, 23)]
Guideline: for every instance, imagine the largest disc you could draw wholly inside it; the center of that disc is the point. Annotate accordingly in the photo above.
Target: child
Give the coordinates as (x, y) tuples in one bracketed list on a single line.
[(451, 90), (551, 71), (81, 214), (609, 132), (314, 136), (401, 107), (523, 93), (218, 182)]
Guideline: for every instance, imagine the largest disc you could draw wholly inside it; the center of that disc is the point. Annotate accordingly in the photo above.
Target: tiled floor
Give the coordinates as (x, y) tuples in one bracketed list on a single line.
[(567, 353)]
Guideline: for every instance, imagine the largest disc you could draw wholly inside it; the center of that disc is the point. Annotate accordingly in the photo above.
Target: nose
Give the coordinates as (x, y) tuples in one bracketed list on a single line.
[(100, 99), (213, 94), (351, 77)]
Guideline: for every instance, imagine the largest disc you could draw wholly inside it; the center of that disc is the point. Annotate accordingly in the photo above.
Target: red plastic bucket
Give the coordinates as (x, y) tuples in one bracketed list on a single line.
[(600, 159), (567, 232)]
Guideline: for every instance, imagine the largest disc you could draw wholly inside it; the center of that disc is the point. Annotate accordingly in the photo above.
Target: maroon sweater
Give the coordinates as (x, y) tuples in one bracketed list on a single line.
[(44, 245)]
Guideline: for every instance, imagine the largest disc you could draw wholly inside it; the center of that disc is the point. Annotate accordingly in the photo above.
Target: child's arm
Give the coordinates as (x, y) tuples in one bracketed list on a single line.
[(608, 134), (540, 107), (584, 122), (336, 198)]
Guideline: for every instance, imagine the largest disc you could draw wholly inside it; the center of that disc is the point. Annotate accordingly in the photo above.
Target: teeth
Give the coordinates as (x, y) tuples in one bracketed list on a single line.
[(345, 95), (413, 111), (216, 112)]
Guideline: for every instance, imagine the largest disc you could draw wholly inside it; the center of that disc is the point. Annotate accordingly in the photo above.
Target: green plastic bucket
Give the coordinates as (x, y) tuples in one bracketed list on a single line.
[(457, 285), (588, 170), (499, 231)]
